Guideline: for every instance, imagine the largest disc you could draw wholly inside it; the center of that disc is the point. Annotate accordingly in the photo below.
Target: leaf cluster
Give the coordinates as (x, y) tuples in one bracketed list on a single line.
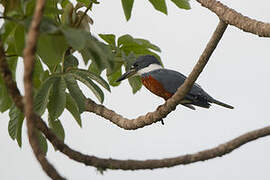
[(159, 5), (65, 30)]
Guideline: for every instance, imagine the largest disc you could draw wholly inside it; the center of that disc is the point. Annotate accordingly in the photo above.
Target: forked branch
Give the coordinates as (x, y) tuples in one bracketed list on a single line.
[(171, 103), (28, 56), (135, 164), (34, 121)]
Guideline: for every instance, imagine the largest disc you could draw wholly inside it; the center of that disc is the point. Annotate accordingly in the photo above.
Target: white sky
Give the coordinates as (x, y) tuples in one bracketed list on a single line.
[(238, 74)]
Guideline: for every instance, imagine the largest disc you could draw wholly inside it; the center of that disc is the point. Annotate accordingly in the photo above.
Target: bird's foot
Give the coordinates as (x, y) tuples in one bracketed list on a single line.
[(162, 122)]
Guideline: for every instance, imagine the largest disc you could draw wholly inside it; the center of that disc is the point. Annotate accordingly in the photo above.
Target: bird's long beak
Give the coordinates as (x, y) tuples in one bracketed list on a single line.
[(126, 75)]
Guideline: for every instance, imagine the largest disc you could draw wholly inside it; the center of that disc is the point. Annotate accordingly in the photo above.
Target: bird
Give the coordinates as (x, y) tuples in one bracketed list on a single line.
[(165, 82)]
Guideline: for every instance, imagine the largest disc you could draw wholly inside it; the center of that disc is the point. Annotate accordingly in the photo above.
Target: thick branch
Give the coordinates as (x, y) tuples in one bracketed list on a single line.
[(131, 164), (236, 19), (152, 163), (29, 53), (147, 164), (171, 103)]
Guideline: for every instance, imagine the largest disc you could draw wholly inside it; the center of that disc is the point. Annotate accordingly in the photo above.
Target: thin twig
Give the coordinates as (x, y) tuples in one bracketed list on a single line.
[(171, 103), (28, 56)]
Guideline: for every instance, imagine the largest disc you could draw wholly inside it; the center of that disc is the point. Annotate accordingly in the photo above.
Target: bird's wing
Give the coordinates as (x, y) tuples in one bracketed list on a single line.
[(172, 80), (169, 79)]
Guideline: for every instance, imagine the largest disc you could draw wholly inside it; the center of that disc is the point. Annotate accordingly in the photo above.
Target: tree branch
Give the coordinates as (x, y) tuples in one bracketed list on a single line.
[(7, 77), (129, 164), (236, 19), (115, 164), (171, 103), (28, 55)]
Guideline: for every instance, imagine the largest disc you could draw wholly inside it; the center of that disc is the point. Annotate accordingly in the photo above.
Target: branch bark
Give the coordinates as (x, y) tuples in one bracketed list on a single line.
[(35, 121), (171, 103), (115, 164), (236, 19), (129, 164), (28, 56)]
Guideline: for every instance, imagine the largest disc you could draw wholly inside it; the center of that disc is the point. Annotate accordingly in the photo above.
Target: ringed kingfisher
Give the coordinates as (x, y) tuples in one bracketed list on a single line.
[(165, 82)]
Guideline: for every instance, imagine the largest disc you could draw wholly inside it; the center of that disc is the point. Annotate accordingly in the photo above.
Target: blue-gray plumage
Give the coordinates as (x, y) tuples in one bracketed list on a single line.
[(165, 82)]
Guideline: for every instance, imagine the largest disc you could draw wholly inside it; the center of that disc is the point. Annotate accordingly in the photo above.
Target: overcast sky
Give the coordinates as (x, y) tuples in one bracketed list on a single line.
[(237, 73)]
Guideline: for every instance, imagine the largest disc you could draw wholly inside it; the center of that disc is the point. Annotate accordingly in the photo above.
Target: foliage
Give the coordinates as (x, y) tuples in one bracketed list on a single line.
[(65, 29)]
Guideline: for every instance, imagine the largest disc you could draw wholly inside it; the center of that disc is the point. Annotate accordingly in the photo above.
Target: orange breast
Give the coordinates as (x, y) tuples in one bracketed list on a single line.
[(155, 87)]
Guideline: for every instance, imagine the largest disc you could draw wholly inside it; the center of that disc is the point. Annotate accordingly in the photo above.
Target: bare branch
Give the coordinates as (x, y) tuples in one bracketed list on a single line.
[(171, 103), (115, 164), (28, 55), (129, 164), (236, 19)]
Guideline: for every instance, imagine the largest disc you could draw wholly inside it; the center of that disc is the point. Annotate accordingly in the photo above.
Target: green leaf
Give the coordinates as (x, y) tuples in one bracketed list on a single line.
[(136, 49), (12, 64), (19, 133), (147, 44), (7, 30), (90, 84), (38, 72), (125, 40), (75, 92), (135, 83), (98, 52), (86, 2), (159, 5), (19, 37), (57, 98), (66, 17), (11, 6), (183, 4), (5, 100), (48, 26), (85, 22), (73, 109), (57, 128), (42, 142), (15, 124), (118, 62), (127, 6), (94, 69), (29, 7), (109, 38), (95, 77), (76, 38), (70, 61), (51, 49), (64, 3), (42, 95), (114, 76), (129, 60)]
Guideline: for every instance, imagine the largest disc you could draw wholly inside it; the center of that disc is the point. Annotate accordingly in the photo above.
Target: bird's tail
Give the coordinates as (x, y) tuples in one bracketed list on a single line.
[(221, 104)]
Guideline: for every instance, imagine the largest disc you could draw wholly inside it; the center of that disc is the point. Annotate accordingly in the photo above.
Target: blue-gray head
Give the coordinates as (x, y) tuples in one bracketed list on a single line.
[(143, 64)]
